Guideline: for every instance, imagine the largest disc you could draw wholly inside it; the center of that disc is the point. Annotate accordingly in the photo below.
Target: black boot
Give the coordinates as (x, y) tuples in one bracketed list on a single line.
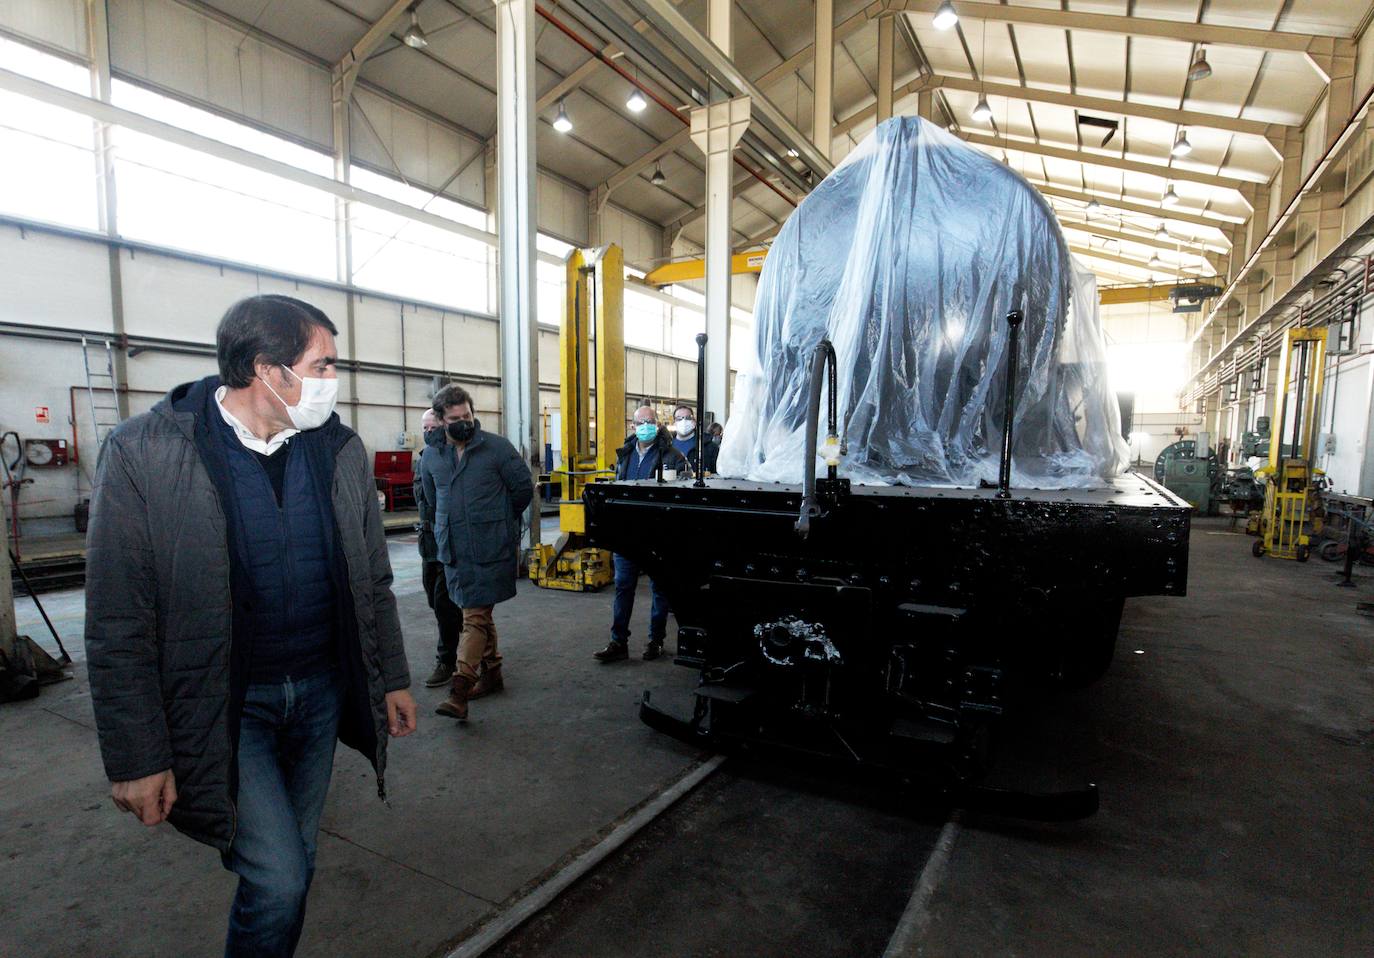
[(653, 650), (613, 652)]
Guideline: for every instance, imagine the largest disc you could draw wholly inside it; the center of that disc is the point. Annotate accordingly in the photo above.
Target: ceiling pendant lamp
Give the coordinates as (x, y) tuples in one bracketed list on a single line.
[(1181, 145), (1162, 234), (1201, 69), (1170, 198), (414, 37), (658, 179), (561, 123), (945, 17), (636, 103), (1155, 261), (982, 111)]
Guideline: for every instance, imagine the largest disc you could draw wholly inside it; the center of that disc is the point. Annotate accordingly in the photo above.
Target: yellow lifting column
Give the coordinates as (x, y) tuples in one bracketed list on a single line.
[(1283, 528), (591, 346)]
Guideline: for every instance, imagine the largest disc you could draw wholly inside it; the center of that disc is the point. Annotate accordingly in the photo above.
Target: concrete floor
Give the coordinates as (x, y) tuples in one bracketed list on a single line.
[(1232, 740), (476, 813)]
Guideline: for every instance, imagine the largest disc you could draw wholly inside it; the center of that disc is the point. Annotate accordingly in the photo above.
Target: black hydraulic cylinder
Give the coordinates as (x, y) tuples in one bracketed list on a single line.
[(822, 363), (1013, 337), (701, 407)]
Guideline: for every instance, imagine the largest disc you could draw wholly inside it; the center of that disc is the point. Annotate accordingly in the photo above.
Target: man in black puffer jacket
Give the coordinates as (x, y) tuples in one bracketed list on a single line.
[(239, 613)]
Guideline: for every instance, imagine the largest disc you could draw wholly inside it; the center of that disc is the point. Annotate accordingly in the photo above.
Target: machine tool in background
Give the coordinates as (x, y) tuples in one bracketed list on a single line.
[(1289, 499), (1205, 481), (1190, 469), (591, 347)]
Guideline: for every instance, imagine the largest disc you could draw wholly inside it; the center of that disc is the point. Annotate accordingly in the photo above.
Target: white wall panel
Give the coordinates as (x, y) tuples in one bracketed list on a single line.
[(186, 52), (53, 281), (377, 324), (1349, 389), (176, 299), (1364, 62), (471, 345), (640, 240), (59, 23), (548, 360), (427, 152), (562, 210)]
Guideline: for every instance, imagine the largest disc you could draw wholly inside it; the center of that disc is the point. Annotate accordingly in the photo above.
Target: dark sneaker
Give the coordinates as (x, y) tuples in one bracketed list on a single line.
[(440, 676), (613, 652), (653, 650)]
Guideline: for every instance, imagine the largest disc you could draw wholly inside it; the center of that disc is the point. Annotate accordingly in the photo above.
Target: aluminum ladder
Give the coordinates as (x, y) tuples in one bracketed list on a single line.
[(101, 387)]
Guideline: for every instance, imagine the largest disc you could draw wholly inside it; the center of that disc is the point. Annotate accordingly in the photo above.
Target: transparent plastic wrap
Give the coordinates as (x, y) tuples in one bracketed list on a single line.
[(908, 257)]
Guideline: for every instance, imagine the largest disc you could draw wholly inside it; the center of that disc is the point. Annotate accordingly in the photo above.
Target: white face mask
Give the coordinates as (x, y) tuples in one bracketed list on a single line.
[(685, 427), (318, 397)]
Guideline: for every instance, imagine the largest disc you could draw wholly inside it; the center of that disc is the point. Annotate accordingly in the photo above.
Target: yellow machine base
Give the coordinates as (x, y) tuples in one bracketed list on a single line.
[(577, 570)]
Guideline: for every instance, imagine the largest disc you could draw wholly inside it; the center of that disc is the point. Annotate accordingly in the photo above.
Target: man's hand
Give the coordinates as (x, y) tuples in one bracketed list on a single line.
[(400, 713), (150, 799)]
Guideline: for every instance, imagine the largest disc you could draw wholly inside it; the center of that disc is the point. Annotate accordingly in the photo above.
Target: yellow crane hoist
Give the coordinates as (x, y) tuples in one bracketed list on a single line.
[(591, 346), (1288, 496)]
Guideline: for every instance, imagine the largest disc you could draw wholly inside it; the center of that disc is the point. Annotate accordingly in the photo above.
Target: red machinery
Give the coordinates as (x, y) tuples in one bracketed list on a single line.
[(395, 475)]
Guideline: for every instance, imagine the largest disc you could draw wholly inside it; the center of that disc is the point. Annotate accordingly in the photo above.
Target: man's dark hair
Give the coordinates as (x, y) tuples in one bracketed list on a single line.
[(686, 407), (271, 328), (452, 395)]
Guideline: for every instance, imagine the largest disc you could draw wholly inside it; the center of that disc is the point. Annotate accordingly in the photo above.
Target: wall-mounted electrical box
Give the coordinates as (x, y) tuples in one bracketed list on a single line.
[(46, 453)]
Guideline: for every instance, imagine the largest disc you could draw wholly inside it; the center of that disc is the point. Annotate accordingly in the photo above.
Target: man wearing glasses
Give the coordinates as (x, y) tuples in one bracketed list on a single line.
[(639, 459)]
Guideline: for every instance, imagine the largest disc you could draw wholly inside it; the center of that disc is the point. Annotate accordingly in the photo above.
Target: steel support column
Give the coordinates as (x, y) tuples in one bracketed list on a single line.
[(887, 40), (823, 80), (340, 95), (516, 215), (715, 131), (98, 30)]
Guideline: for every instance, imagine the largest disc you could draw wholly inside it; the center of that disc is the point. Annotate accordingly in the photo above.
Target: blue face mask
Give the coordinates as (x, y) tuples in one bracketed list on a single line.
[(646, 431)]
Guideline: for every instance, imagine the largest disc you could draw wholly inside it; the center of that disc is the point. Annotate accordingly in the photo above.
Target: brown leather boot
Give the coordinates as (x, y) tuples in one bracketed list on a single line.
[(489, 682), (456, 705)]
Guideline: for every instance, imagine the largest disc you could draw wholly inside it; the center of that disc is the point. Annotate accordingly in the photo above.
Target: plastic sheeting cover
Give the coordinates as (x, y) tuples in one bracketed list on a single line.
[(908, 257)]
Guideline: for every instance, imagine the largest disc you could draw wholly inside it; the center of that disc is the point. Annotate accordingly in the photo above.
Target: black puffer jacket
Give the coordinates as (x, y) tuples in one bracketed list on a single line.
[(166, 670)]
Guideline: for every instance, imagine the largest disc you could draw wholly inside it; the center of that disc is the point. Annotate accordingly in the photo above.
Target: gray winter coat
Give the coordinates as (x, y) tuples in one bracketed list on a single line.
[(159, 611), (478, 501)]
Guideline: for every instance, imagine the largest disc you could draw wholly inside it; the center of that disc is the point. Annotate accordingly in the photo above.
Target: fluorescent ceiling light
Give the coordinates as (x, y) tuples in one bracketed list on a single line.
[(982, 111), (945, 17), (792, 153), (1201, 69), (414, 36), (561, 123)]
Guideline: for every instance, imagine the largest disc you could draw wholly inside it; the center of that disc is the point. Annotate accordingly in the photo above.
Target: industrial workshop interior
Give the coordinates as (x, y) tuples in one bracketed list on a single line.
[(539, 478)]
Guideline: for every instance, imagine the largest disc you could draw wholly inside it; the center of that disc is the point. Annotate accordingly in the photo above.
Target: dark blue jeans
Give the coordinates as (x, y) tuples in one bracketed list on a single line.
[(286, 756), (626, 579)]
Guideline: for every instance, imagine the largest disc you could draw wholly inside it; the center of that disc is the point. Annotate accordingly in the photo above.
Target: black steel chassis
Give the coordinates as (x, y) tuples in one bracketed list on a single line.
[(900, 627)]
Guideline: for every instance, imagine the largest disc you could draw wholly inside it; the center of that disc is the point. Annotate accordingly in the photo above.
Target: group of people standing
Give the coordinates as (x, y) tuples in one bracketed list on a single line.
[(240, 619)]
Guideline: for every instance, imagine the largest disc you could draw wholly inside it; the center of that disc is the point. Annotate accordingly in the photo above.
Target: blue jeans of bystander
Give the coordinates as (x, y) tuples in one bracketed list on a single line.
[(626, 580), (285, 758)]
